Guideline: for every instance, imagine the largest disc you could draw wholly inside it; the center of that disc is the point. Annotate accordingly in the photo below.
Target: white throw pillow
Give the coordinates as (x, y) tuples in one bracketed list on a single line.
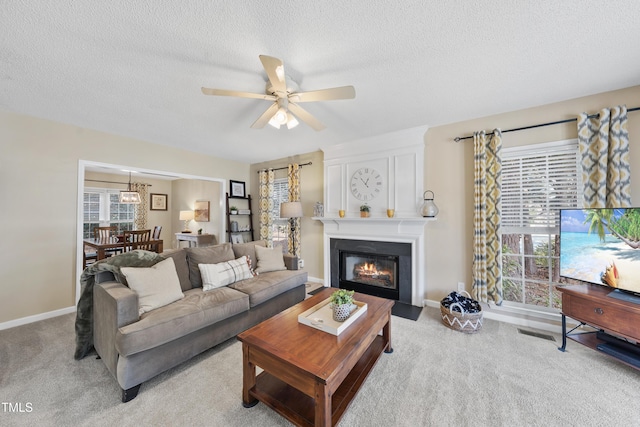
[(225, 273), (156, 286), (269, 259)]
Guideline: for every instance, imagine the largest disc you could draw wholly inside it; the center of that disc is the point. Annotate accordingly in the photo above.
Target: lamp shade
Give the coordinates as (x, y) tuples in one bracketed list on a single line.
[(291, 210), (186, 215)]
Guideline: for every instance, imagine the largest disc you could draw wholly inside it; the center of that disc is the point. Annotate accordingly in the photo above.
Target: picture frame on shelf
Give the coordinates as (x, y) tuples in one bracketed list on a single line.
[(158, 202), (237, 189), (237, 238), (201, 211)]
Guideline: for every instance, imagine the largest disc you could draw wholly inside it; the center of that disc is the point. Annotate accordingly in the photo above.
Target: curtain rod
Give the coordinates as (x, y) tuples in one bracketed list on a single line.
[(286, 167), (460, 138), (114, 182)]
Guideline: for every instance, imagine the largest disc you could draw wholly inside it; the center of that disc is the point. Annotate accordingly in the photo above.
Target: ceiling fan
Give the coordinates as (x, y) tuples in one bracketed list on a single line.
[(283, 91)]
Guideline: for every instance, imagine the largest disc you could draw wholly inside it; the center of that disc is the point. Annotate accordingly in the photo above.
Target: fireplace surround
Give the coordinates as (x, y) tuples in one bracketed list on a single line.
[(372, 267), (407, 231)]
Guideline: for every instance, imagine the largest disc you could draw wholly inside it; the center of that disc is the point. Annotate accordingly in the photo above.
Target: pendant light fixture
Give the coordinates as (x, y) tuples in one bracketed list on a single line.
[(129, 196)]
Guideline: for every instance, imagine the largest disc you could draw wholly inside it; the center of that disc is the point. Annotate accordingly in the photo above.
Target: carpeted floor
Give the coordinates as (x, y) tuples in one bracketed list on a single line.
[(435, 377)]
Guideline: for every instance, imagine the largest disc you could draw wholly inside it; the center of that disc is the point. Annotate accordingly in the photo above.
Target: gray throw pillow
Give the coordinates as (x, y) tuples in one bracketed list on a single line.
[(248, 249), (269, 260), (206, 255)]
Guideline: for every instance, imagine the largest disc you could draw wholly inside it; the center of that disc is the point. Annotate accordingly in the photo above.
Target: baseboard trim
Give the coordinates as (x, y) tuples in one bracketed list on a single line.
[(544, 321), (315, 280), (36, 318)]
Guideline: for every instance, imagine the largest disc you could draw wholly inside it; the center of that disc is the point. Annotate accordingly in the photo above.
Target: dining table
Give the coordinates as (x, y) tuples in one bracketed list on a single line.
[(102, 245)]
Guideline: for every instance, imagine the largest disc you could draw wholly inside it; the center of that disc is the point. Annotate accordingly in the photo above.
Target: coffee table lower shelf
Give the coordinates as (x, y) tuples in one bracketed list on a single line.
[(299, 408)]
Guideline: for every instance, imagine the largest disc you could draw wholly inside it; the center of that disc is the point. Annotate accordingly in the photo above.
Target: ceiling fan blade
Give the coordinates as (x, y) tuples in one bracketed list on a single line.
[(265, 117), (305, 116), (224, 92), (344, 92), (275, 71)]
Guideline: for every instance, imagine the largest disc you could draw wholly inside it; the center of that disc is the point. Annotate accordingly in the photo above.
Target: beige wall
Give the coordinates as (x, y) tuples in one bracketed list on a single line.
[(187, 192), (39, 186), (39, 193), (449, 173), (311, 190)]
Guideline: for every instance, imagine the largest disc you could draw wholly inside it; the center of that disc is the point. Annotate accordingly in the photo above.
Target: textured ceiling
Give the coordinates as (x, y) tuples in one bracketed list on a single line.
[(135, 68)]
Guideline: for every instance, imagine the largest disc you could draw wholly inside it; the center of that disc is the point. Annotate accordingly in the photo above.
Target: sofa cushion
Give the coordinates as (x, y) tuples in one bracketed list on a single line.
[(268, 285), (182, 267), (269, 259), (196, 310), (224, 273), (156, 286), (206, 255), (249, 249)]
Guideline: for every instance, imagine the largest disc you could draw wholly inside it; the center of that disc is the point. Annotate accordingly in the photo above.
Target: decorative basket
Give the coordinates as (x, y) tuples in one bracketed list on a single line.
[(468, 323)]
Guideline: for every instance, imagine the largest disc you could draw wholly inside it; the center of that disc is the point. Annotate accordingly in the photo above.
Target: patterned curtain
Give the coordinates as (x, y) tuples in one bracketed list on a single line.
[(603, 140), (141, 210), (266, 179), (294, 196), (487, 263)]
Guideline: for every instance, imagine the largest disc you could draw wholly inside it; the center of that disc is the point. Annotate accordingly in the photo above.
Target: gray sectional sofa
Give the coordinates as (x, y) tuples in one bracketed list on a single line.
[(136, 347)]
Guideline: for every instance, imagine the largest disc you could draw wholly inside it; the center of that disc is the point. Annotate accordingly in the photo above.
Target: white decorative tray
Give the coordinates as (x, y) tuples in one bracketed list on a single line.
[(320, 316)]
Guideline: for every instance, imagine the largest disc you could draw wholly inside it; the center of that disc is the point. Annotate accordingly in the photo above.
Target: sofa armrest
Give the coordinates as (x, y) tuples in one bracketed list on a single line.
[(114, 306), (291, 261)]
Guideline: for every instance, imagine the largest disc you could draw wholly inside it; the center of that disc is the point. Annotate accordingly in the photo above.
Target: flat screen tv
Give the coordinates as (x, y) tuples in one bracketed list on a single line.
[(602, 246)]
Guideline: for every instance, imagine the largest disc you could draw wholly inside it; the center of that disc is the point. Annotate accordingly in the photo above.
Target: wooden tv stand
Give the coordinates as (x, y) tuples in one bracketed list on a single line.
[(591, 305)]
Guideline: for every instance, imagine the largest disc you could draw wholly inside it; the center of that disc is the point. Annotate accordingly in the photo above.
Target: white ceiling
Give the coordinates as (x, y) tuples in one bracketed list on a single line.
[(135, 68)]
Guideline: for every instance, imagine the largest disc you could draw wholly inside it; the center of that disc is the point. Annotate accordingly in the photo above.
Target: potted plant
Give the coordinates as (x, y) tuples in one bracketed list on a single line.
[(233, 210), (364, 211), (342, 302)]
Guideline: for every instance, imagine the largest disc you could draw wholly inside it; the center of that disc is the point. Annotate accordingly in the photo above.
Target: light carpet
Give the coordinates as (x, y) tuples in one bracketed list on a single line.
[(435, 377)]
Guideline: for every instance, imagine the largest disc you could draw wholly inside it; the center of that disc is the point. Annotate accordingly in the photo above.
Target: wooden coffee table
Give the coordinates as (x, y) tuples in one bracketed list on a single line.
[(310, 376)]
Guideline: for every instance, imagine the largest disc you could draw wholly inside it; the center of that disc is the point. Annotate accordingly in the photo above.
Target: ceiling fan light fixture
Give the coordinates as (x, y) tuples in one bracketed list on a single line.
[(274, 123), (280, 116), (291, 121)]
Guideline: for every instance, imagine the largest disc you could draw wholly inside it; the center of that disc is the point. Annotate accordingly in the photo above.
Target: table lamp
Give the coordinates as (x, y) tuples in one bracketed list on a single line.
[(186, 216), (291, 210)]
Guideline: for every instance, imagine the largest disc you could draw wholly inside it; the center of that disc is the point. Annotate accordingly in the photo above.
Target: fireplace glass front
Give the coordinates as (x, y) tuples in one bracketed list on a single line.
[(370, 269)]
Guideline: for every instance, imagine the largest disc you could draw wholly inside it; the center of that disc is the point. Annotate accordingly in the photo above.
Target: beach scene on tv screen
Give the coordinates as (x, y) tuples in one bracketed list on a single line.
[(607, 255)]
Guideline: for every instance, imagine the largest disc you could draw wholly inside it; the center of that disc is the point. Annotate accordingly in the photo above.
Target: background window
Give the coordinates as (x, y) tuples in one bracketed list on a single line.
[(102, 209), (537, 181), (280, 225)]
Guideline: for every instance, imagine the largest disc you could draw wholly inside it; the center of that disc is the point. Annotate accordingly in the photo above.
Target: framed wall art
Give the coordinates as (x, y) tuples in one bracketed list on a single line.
[(201, 211), (236, 189), (157, 202)]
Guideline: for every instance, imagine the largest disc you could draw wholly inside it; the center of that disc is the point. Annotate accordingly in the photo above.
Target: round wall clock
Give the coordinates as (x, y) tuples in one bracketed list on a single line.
[(366, 183)]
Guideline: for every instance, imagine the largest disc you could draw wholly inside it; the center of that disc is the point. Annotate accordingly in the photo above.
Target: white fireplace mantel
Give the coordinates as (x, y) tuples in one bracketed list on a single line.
[(391, 226), (398, 229)]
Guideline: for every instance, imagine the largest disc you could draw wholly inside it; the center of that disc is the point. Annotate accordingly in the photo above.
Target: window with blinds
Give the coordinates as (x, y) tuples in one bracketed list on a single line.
[(537, 181), (280, 228)]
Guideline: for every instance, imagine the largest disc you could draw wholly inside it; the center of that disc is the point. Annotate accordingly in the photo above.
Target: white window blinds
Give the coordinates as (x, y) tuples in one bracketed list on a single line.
[(537, 181)]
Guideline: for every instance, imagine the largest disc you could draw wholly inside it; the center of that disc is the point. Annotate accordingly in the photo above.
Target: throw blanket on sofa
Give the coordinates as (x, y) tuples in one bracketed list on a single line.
[(84, 315)]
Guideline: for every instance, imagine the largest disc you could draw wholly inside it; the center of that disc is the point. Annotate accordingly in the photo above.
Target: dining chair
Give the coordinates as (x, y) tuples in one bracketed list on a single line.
[(104, 233), (107, 234), (156, 232), (138, 239)]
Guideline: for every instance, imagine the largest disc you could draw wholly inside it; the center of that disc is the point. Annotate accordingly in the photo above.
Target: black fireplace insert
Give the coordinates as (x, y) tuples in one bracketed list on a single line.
[(372, 267)]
